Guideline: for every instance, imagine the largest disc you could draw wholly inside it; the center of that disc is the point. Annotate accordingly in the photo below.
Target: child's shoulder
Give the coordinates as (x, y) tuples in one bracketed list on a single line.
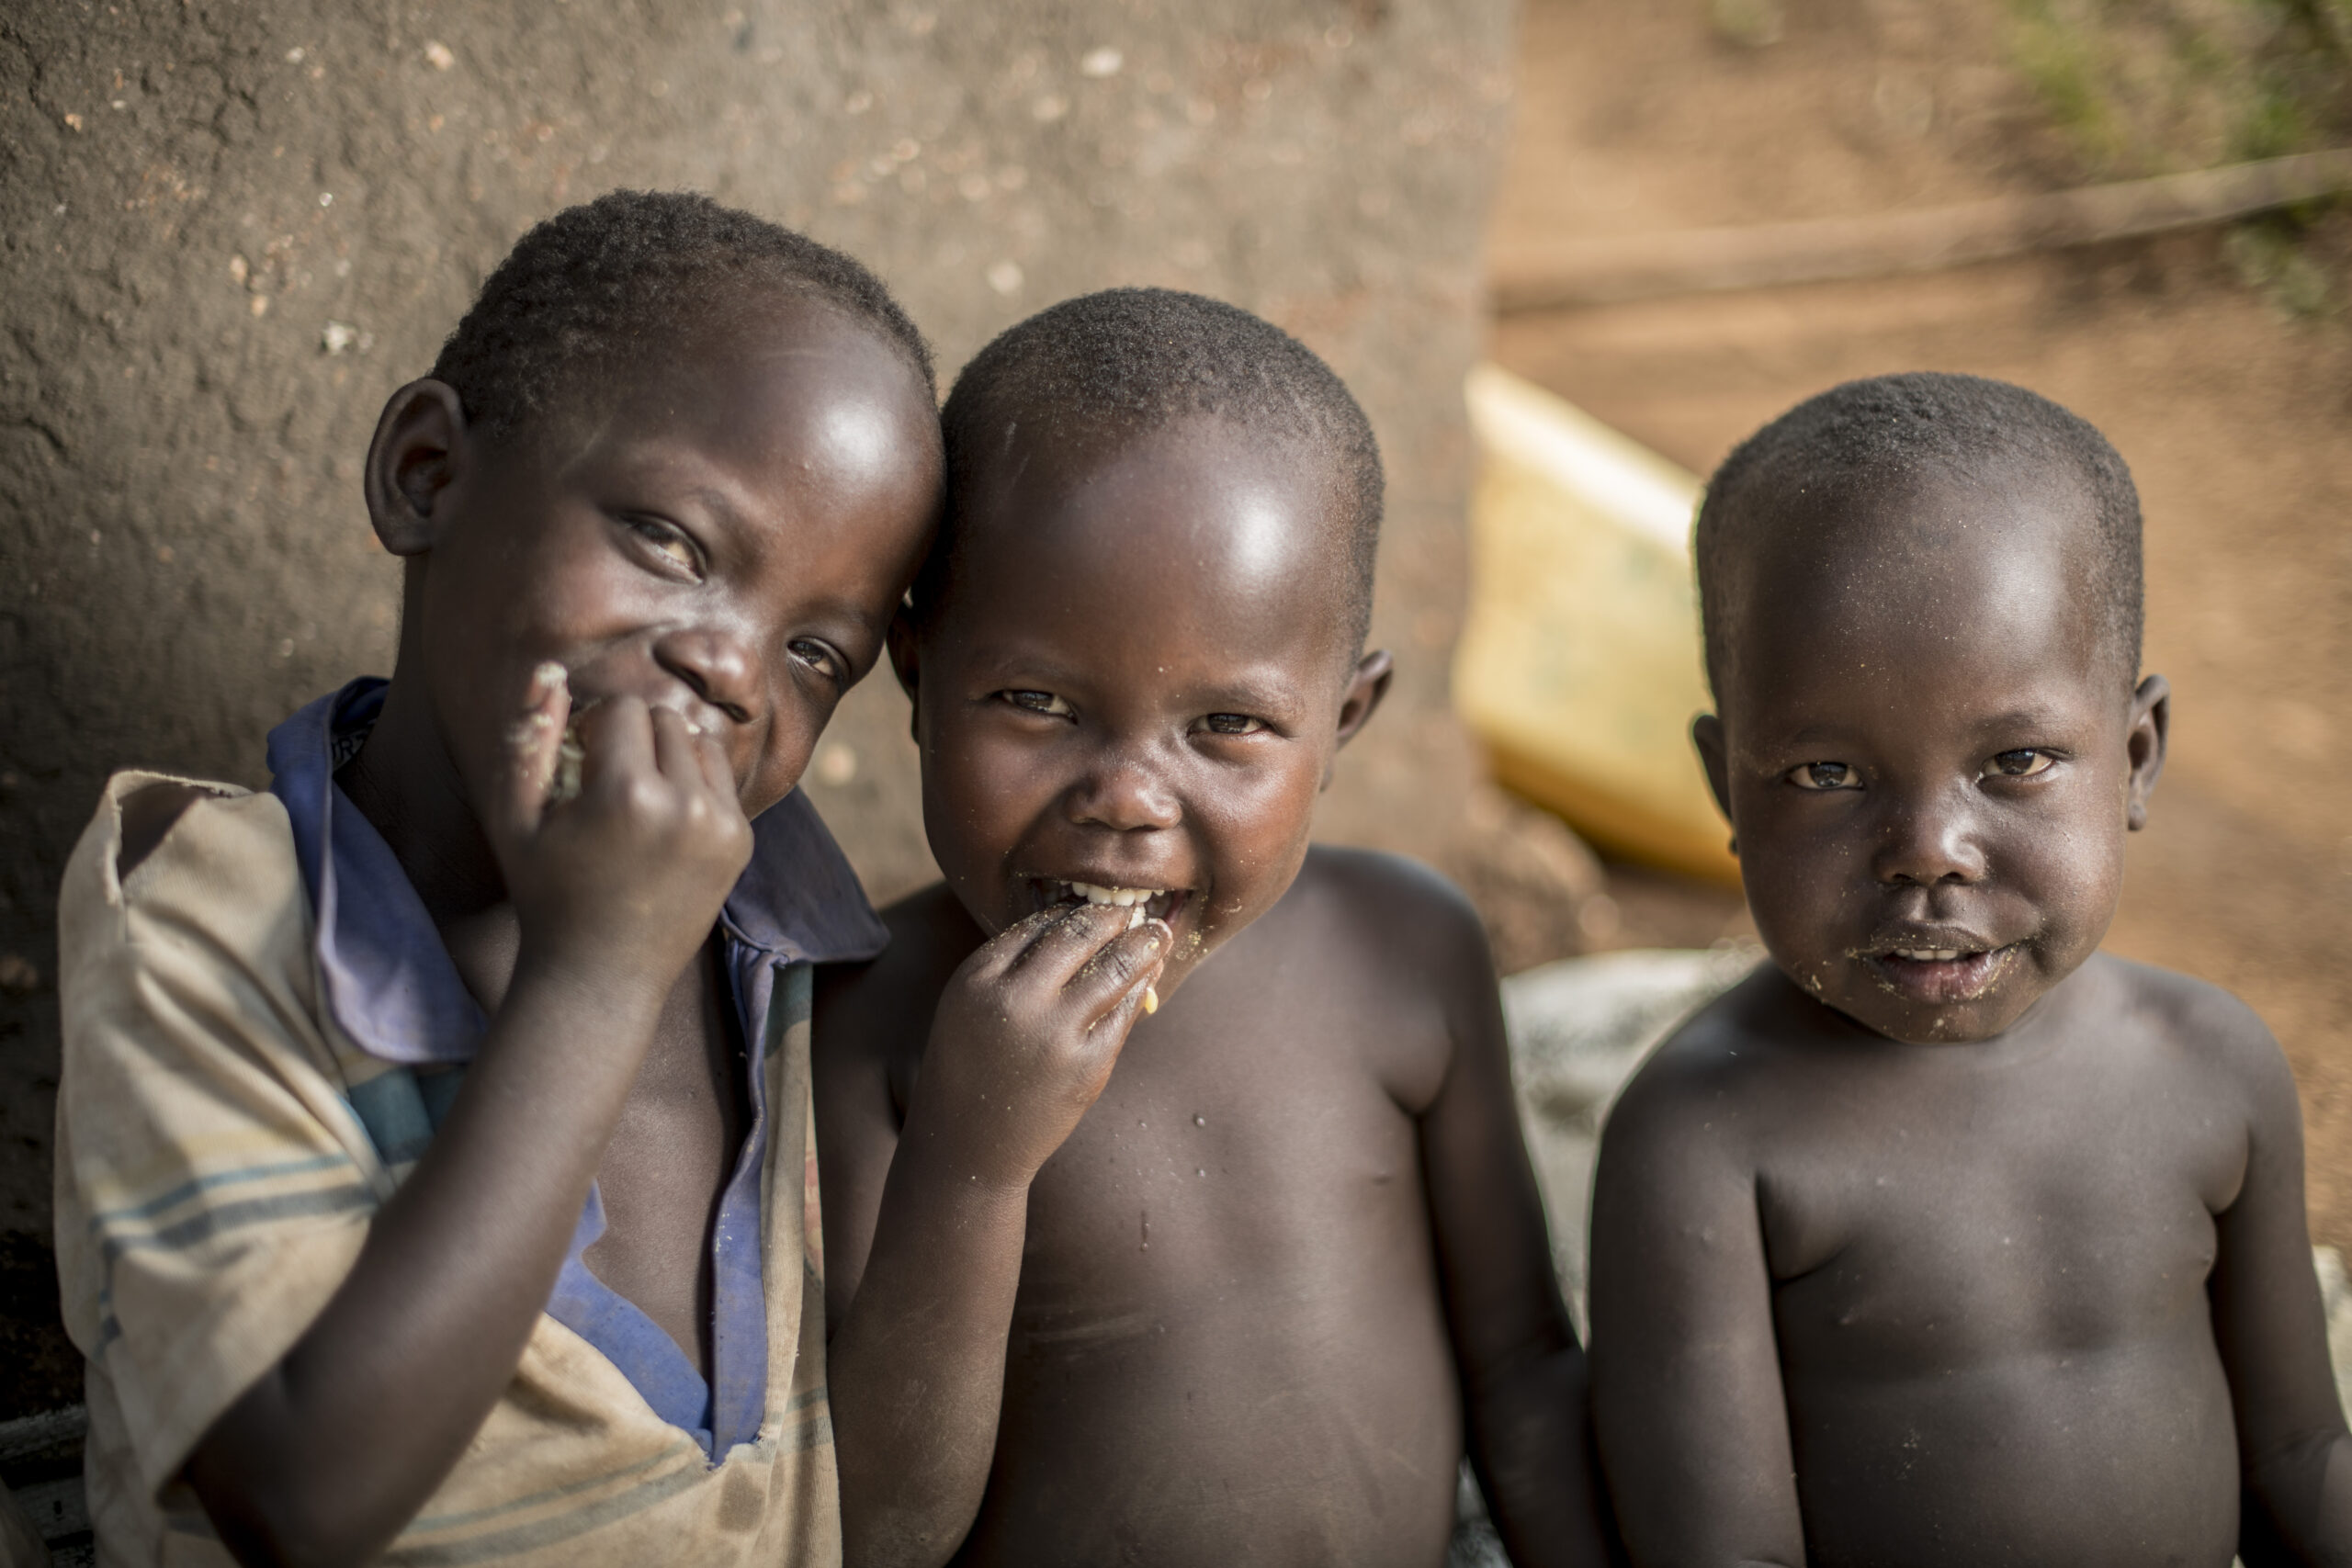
[(156, 838), (881, 1003), (2192, 1023), (1754, 1058), (1386, 910), (2180, 1007), (1721, 1066)]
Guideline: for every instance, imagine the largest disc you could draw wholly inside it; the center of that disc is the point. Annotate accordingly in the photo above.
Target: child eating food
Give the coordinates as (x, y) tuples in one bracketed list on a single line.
[(1261, 1272)]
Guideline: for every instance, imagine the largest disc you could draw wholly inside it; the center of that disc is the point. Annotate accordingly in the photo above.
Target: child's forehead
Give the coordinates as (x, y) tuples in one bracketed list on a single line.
[(1931, 532), (1051, 458), (1192, 527), (1199, 494), (1917, 565), (783, 374)]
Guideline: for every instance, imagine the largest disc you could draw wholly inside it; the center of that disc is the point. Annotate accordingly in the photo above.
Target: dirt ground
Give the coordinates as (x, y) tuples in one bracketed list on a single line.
[(1636, 118)]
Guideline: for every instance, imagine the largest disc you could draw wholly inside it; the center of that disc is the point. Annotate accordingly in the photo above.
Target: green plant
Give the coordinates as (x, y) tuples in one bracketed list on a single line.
[(2152, 86)]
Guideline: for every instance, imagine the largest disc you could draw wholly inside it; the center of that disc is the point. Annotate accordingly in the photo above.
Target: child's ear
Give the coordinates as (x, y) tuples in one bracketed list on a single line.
[(421, 445), (1707, 734), (1367, 685), (906, 663), (2151, 723)]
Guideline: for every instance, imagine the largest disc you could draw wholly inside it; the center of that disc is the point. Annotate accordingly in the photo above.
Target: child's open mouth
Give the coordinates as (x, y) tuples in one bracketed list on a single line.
[(1141, 903), (1940, 973)]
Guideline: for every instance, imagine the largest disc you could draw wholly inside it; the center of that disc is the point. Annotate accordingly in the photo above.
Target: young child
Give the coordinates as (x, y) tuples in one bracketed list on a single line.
[(1944, 1239), (1258, 1289), (432, 1155)]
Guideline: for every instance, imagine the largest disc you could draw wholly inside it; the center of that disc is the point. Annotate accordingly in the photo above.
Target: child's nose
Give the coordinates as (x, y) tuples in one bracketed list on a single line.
[(1929, 841), (1124, 793), (721, 668)]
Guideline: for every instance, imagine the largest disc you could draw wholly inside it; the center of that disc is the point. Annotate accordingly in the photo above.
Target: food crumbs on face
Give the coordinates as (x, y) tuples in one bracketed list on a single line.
[(564, 784)]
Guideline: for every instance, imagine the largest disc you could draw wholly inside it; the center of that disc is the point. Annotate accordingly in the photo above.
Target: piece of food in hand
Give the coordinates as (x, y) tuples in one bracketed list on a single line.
[(1140, 903), (564, 782)]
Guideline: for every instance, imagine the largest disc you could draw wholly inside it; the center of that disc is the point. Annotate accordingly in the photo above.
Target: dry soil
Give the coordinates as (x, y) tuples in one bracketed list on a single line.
[(1636, 116)]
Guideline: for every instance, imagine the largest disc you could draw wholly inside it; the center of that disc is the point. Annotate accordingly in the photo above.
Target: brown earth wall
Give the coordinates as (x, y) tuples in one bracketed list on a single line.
[(227, 231)]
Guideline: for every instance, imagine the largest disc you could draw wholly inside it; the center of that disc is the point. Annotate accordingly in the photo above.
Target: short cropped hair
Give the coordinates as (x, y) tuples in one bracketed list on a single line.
[(594, 288), (1130, 360), (1882, 429)]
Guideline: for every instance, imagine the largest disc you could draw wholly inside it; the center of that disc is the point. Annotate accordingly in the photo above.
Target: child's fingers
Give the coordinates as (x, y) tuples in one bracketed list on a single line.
[(617, 735), (1065, 945), (1109, 1032), (1004, 952), (531, 742), (1118, 978), (718, 770), (673, 749), (1115, 967), (685, 753)]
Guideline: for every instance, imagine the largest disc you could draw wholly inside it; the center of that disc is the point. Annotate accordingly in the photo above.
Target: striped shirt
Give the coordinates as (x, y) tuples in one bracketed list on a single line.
[(262, 1031)]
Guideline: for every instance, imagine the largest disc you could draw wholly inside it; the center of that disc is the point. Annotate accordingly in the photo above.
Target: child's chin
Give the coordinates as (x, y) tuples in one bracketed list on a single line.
[(1921, 1022)]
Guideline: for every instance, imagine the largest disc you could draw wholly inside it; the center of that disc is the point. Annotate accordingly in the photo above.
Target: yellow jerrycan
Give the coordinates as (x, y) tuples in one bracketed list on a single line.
[(1579, 668)]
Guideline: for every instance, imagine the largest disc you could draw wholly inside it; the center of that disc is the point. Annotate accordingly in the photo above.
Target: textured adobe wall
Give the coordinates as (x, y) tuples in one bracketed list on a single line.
[(227, 231)]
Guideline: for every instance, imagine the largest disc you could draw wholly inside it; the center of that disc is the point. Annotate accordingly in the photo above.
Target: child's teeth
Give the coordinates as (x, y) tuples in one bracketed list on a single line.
[(1924, 954), (1121, 896)]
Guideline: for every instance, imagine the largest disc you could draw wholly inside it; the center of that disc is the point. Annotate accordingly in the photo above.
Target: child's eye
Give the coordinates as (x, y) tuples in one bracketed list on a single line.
[(668, 542), (1232, 724), (1825, 775), (2022, 763), (1039, 701), (819, 658)]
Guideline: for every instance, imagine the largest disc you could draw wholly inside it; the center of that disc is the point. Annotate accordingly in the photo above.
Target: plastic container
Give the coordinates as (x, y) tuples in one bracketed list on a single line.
[(1579, 667)]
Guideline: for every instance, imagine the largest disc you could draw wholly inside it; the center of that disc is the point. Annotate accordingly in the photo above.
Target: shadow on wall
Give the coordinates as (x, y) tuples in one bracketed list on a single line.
[(233, 230)]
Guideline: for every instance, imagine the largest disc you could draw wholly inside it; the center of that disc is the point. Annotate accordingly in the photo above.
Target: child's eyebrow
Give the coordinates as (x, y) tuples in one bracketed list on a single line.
[(2022, 718), (718, 509), (2006, 724), (721, 509), (1267, 693)]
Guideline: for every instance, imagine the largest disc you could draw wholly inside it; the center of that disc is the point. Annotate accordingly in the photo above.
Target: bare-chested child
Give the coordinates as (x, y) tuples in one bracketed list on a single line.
[(1944, 1239), (1261, 1289)]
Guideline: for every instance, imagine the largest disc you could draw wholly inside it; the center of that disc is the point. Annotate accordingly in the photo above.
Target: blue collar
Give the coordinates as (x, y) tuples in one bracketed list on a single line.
[(388, 980), (391, 987)]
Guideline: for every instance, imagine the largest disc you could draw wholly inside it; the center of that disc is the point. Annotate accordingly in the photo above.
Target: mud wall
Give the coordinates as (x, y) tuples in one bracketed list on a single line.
[(227, 230)]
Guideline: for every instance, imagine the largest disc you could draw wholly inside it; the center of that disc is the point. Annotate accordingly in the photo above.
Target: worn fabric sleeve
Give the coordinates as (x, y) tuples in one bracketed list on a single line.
[(213, 1185)]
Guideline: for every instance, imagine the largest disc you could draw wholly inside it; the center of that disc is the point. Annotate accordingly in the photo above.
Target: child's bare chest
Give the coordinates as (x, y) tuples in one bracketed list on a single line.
[(1996, 1216), (670, 1154), (1221, 1160), (674, 1147), (1228, 1281)]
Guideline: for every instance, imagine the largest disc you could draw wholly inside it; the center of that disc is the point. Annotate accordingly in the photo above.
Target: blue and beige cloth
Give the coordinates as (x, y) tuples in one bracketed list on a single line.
[(261, 1030)]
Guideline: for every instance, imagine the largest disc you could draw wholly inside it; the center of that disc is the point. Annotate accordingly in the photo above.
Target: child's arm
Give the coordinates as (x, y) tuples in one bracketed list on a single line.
[(1523, 1375), (925, 1223), (2293, 1451), (330, 1454), (1686, 1379)]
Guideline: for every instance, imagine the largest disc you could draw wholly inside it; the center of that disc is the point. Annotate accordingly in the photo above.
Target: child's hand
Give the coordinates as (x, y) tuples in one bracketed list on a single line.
[(1028, 1030), (624, 882)]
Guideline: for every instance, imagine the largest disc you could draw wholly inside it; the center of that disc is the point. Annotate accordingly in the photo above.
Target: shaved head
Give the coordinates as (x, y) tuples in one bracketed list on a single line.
[(1923, 462)]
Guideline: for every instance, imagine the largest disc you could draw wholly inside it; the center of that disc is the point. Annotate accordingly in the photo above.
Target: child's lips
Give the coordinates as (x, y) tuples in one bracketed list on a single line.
[(1941, 970)]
